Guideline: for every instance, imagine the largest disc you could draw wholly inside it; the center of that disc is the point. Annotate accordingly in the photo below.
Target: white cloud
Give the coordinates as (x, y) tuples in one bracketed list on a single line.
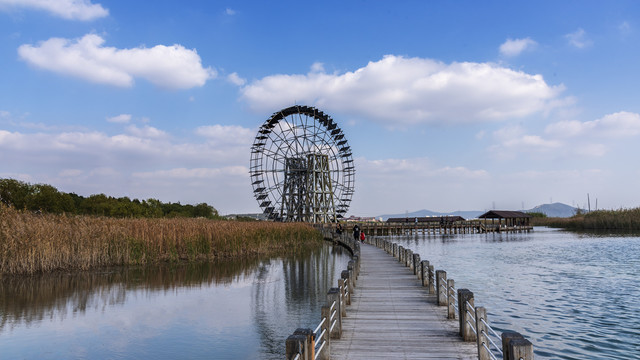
[(121, 119), (173, 67), (195, 173), (229, 11), (403, 91), (225, 134), (235, 79), (617, 125), (578, 39), (144, 162), (624, 28), (514, 47), (68, 9), (146, 132)]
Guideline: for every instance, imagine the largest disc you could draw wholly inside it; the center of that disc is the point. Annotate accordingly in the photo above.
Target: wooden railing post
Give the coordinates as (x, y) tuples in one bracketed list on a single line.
[(348, 285), (325, 313), (483, 334), (425, 272), (295, 345), (343, 296), (451, 313), (441, 279), (333, 295), (352, 271), (432, 288), (516, 347), (309, 343), (408, 260), (464, 296), (416, 265), (400, 256), (395, 250)]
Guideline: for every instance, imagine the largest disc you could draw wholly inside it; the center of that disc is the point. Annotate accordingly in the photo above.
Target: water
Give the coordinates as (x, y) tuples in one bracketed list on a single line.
[(232, 310), (574, 296)]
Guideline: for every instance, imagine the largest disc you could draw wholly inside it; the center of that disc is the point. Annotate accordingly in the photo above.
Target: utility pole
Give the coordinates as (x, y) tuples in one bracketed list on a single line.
[(588, 202)]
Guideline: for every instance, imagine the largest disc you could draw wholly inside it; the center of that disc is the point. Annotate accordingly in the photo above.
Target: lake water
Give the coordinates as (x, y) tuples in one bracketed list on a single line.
[(574, 296), (233, 310)]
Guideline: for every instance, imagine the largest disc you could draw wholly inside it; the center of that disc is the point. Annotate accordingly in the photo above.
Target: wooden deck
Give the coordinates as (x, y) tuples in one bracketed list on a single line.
[(393, 317)]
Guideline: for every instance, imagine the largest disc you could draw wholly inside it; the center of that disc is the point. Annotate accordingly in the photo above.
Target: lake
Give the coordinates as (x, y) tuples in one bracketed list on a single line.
[(573, 295), (227, 310)]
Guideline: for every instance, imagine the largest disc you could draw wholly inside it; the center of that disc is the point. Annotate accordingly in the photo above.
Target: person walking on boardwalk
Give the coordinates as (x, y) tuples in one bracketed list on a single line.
[(356, 232), (362, 236)]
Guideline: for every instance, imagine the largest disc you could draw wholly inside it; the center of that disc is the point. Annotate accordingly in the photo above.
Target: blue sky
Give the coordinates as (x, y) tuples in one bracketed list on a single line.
[(448, 105)]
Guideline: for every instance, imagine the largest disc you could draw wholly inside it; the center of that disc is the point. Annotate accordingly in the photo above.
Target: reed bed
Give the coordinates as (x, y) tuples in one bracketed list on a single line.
[(38, 243), (623, 219)]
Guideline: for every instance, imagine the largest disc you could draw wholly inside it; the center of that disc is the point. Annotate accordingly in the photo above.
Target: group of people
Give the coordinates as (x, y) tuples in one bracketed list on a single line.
[(357, 233)]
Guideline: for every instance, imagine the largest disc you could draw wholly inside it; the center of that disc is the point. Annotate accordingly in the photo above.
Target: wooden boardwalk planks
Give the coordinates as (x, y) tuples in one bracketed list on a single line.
[(393, 317)]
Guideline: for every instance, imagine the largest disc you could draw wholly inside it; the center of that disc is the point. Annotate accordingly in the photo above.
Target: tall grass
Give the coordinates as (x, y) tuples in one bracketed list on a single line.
[(32, 243), (623, 219)]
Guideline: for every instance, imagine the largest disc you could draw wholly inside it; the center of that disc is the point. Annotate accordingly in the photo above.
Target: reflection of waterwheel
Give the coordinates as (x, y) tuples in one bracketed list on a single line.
[(302, 167)]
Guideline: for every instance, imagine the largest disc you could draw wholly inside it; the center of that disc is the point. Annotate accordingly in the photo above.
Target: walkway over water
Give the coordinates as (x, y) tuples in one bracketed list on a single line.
[(392, 316)]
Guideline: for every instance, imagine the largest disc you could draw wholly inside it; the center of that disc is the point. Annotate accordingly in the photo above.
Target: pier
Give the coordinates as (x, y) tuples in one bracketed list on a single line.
[(390, 304)]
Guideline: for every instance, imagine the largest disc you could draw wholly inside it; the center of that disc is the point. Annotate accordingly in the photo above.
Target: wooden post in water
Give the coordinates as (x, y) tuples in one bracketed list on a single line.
[(425, 272), (333, 296), (465, 296), (395, 250), (451, 313), (441, 281), (483, 334), (309, 344), (408, 260), (400, 253)]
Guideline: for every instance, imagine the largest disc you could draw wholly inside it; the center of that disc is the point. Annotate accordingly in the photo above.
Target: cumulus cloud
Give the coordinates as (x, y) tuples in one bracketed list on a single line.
[(121, 119), (235, 79), (68, 9), (514, 47), (142, 162), (578, 39), (172, 67), (227, 134), (146, 132), (617, 125), (401, 91)]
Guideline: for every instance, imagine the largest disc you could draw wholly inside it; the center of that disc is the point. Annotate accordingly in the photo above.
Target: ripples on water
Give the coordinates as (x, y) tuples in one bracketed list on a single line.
[(231, 310), (574, 296)]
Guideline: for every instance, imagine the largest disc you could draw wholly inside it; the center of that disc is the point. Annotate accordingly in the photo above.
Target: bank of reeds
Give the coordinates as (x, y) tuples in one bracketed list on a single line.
[(623, 220), (36, 243)]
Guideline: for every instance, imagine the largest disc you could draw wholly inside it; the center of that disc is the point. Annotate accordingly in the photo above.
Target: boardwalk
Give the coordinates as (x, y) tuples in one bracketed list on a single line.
[(393, 317)]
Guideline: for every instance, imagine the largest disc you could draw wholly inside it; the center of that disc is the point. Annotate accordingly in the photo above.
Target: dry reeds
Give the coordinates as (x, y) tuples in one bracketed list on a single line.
[(32, 243), (623, 219)]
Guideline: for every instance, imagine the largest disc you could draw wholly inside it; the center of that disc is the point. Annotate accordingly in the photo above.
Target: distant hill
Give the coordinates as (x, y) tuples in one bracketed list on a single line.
[(555, 210), (551, 210)]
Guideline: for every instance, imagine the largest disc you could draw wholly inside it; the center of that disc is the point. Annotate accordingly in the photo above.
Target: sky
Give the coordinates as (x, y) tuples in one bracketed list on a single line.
[(447, 105)]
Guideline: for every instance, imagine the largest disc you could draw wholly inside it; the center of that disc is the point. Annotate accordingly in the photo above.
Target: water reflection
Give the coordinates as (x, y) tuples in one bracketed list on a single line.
[(230, 310)]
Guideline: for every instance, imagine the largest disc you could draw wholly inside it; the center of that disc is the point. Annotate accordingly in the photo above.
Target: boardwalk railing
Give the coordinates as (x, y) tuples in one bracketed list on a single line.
[(308, 344), (472, 320)]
